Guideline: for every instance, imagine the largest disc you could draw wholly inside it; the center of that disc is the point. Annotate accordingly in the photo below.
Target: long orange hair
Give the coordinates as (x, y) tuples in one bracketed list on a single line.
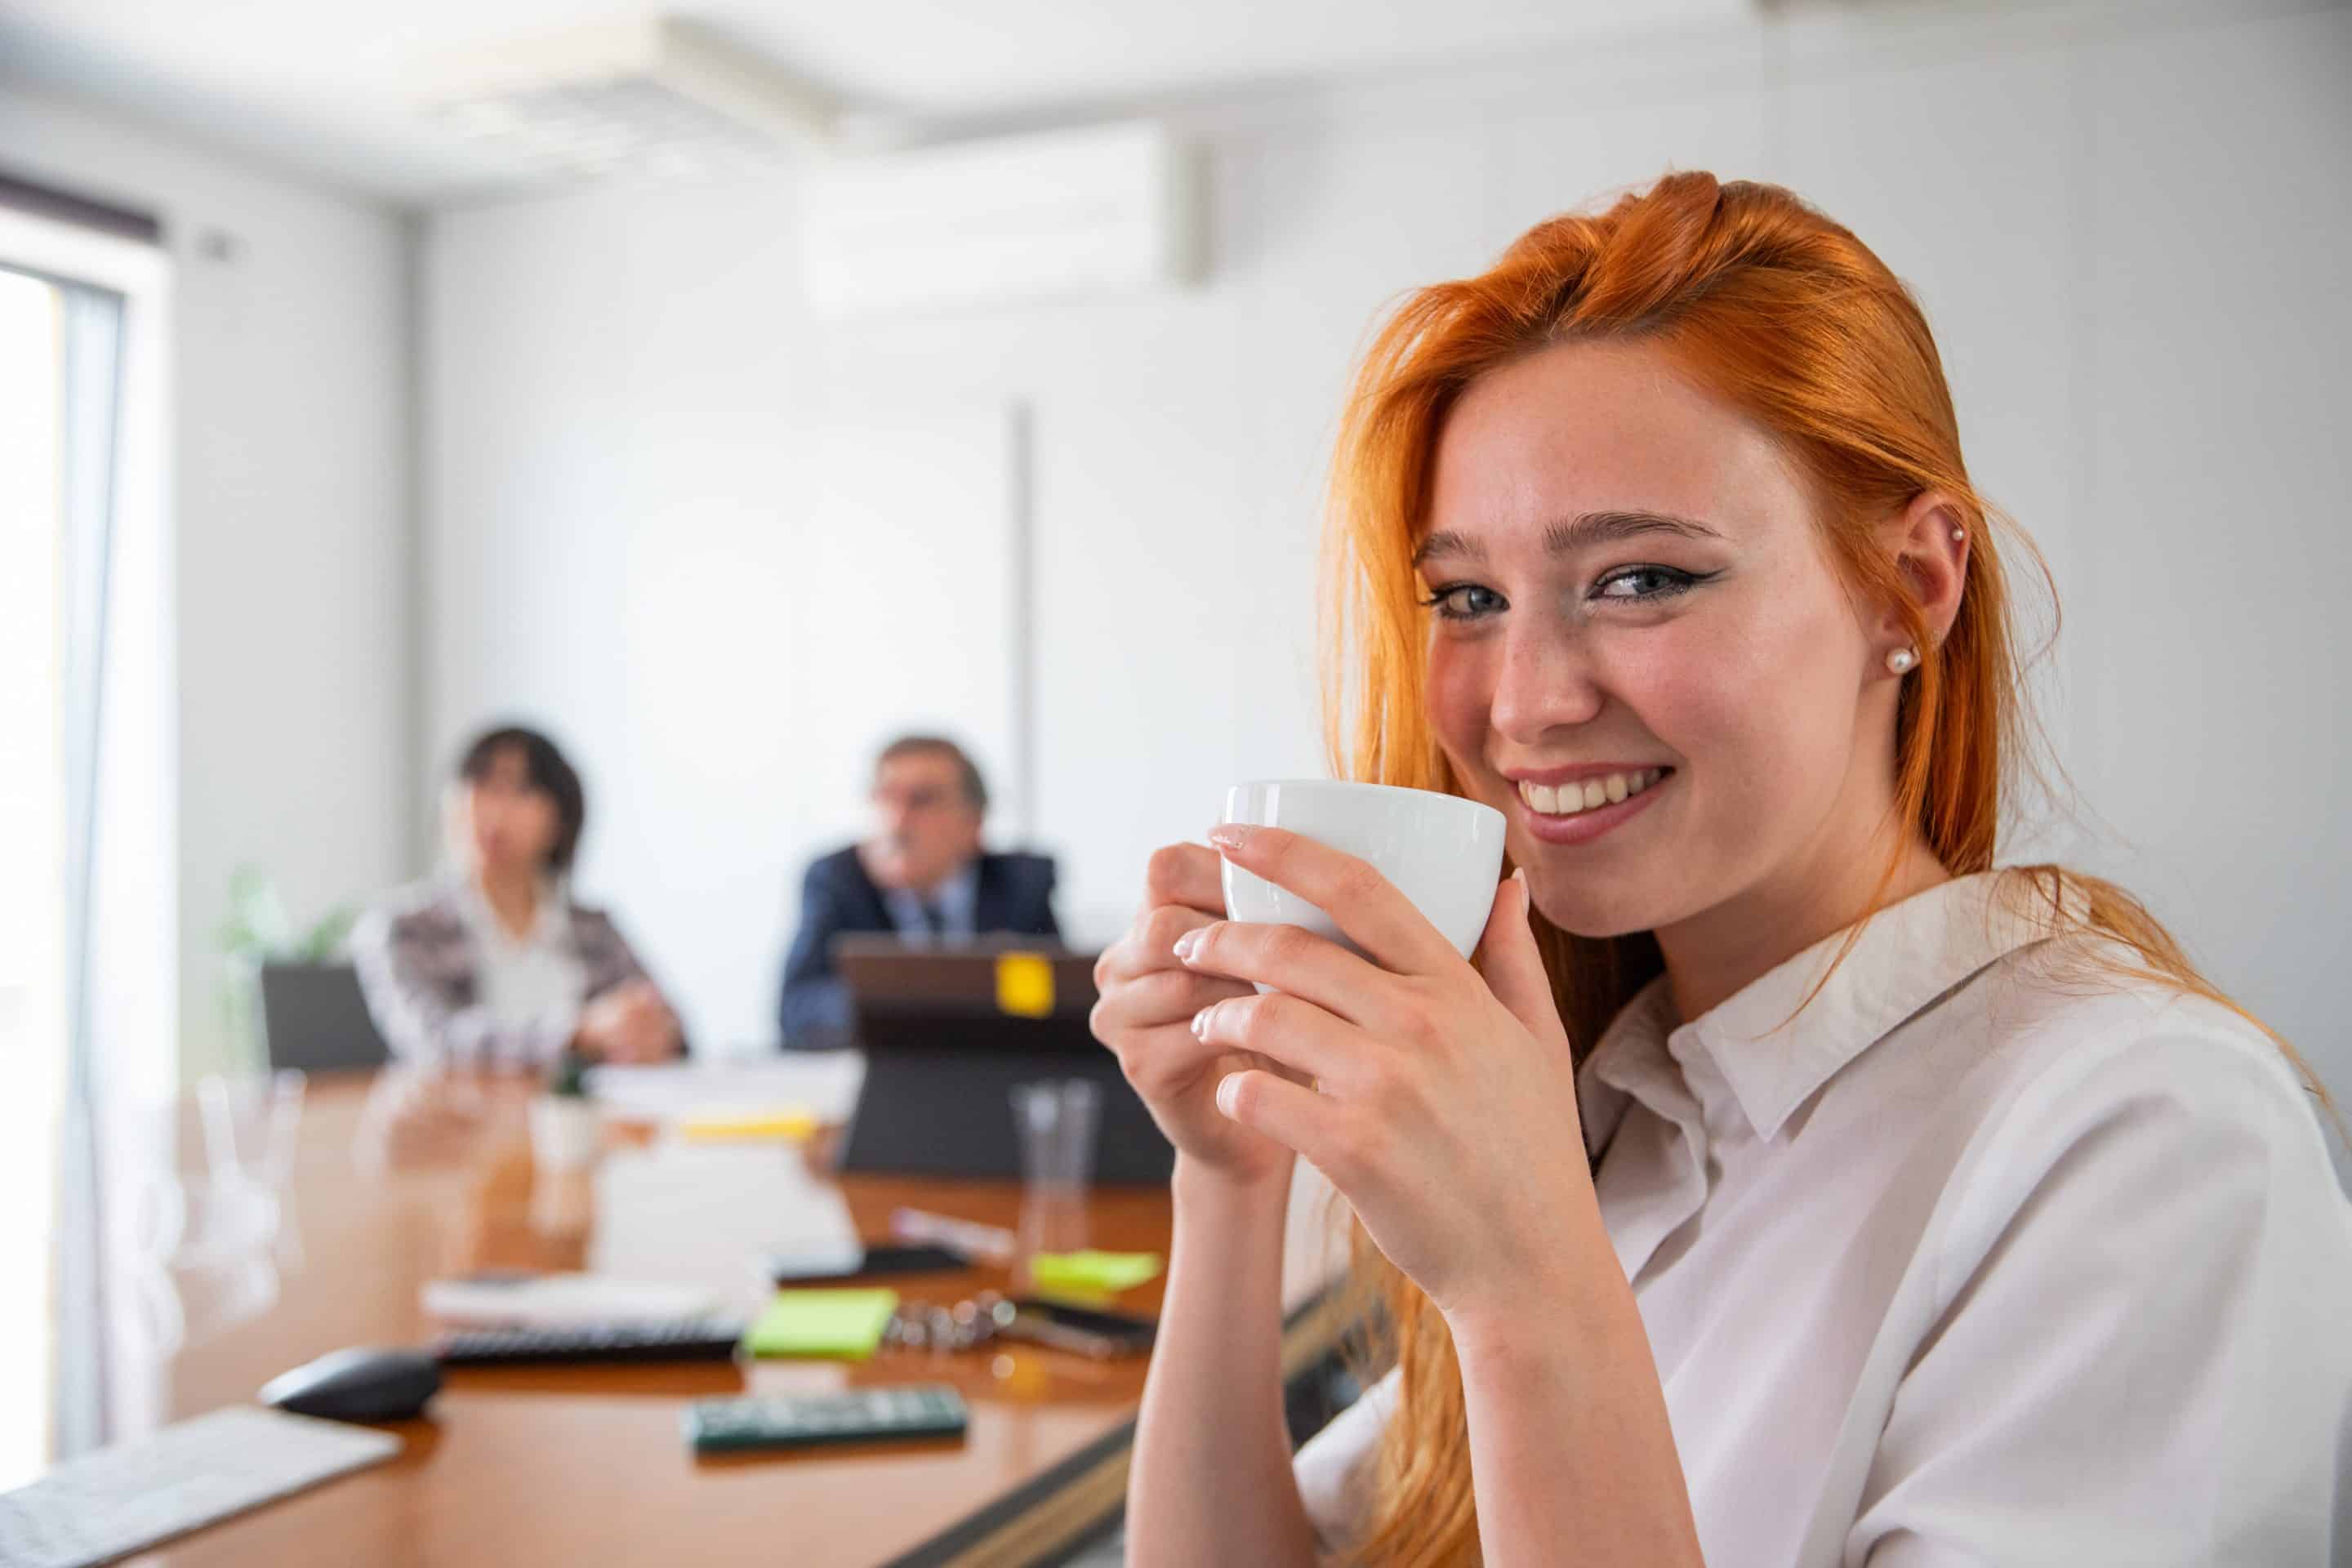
[(1789, 318)]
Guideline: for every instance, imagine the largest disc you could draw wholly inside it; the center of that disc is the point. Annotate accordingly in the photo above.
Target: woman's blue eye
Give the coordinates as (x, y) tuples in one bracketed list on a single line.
[(1464, 602), (1634, 584)]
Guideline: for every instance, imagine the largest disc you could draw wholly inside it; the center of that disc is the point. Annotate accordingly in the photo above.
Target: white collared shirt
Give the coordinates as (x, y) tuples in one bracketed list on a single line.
[(535, 984), (1981, 1256), (957, 899)]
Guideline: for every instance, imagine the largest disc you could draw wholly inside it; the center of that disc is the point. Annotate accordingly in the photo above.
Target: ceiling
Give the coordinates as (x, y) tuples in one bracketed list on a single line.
[(332, 86)]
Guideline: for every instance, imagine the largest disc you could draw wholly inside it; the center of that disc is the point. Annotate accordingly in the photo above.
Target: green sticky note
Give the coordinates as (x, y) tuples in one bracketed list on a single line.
[(847, 1323), (1108, 1272)]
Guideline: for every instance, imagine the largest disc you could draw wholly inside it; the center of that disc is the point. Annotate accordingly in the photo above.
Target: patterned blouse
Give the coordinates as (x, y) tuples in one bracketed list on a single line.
[(425, 959)]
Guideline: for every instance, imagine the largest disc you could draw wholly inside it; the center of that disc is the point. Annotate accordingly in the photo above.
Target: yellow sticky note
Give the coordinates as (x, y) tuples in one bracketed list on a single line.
[(1090, 1270), (790, 1124), (1025, 984), (844, 1323)]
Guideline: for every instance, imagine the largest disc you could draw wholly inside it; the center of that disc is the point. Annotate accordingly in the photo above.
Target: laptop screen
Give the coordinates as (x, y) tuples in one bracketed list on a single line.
[(998, 978)]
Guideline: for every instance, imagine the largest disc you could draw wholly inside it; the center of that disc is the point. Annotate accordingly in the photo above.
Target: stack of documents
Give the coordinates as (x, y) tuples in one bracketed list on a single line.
[(786, 1098)]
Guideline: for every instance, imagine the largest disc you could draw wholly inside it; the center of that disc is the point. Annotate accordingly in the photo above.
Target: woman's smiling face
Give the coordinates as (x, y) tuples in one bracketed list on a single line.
[(1631, 604)]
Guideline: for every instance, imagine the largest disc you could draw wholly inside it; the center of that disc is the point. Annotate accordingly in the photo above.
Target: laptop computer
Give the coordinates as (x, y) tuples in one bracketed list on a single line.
[(948, 1030)]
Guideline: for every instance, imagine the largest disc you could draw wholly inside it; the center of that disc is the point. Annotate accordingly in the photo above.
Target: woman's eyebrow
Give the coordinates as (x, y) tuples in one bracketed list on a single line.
[(1445, 543), (1578, 533), (1610, 527)]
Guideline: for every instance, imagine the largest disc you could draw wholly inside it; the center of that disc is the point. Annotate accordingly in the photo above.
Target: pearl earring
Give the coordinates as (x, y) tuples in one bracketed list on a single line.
[(1959, 533), (1900, 661)]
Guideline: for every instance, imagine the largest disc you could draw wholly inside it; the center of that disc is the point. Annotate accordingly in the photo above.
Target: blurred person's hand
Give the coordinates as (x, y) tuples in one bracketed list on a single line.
[(630, 1023), (1148, 1000)]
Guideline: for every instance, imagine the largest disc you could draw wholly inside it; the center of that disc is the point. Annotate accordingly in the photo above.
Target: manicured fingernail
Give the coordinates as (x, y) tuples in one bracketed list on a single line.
[(1187, 944), (1519, 875), (1228, 1089), (1201, 1022), (1229, 836)]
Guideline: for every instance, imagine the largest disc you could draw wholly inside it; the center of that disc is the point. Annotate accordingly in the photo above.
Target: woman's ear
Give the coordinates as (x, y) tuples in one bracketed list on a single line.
[(1929, 541)]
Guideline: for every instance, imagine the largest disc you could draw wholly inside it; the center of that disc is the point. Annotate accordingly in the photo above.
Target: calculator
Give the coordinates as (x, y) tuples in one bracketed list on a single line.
[(909, 1412)]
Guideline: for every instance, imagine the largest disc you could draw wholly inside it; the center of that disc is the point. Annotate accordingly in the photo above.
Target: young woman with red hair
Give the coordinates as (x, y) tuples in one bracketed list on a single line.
[(1782, 1182)]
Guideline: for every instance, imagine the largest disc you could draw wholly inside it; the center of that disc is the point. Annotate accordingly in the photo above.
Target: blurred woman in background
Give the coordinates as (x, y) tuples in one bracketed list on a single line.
[(493, 964)]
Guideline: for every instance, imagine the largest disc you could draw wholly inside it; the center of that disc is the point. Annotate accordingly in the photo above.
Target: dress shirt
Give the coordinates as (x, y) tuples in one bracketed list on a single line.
[(1983, 1254), (956, 900), (532, 986)]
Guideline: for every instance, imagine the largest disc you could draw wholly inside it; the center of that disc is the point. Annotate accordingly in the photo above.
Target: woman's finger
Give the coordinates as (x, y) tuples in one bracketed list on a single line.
[(1311, 1124), (1149, 944), (1163, 1062), (1296, 1033), (1149, 1001), (1293, 959), (1513, 965), (1365, 905), (1189, 874)]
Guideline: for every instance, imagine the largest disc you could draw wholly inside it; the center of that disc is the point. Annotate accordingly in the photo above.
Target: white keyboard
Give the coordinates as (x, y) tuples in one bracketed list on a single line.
[(116, 1501)]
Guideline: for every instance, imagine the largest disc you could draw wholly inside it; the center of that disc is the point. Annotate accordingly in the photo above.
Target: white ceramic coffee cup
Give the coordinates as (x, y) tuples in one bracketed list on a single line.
[(567, 1133), (1443, 852)]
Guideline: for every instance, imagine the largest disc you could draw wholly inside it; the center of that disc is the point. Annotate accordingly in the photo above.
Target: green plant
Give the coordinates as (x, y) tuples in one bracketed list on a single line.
[(570, 1077), (258, 931)]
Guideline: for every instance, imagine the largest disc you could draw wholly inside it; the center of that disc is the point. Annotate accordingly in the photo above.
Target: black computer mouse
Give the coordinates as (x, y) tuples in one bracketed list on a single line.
[(357, 1385)]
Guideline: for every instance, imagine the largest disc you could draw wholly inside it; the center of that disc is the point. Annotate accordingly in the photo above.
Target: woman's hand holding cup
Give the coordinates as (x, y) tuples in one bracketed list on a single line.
[(1145, 1013)]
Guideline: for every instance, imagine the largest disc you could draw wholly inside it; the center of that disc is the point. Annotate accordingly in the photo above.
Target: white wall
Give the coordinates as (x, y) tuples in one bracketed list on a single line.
[(291, 509), (2122, 223)]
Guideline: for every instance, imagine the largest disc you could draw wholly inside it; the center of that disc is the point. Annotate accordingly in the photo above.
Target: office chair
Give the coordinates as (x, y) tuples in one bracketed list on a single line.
[(314, 1017)]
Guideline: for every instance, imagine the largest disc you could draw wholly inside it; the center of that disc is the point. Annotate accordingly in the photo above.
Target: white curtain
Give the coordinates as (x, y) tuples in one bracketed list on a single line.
[(91, 352)]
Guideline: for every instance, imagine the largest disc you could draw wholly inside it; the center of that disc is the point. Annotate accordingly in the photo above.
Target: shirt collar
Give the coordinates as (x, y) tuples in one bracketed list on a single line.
[(956, 898), (1779, 1039), (1631, 1061), (551, 924)]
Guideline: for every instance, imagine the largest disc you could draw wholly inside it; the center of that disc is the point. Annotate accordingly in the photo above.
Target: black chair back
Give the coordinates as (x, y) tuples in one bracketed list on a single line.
[(315, 1018)]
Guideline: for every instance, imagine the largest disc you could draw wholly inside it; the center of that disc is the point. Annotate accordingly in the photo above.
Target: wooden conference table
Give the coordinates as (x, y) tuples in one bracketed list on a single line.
[(586, 1464)]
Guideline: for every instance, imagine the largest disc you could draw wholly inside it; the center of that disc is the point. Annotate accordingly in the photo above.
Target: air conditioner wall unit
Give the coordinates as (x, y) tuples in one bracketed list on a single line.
[(1107, 210)]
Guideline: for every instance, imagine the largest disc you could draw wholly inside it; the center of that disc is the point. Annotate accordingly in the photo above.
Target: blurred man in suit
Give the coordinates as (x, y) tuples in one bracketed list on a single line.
[(922, 875)]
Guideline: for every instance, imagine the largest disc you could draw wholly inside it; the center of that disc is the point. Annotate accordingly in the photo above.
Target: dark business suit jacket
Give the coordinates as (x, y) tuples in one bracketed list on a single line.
[(1015, 893)]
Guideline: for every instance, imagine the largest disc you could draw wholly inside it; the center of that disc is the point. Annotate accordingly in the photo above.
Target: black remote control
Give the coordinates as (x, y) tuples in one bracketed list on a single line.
[(691, 1339)]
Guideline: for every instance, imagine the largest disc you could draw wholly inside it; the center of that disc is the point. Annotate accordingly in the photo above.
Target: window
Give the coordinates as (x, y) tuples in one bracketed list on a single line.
[(87, 886), (32, 850)]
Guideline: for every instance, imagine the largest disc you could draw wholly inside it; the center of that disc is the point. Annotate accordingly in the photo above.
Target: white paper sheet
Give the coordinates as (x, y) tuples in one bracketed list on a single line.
[(822, 1083), (715, 1214)]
